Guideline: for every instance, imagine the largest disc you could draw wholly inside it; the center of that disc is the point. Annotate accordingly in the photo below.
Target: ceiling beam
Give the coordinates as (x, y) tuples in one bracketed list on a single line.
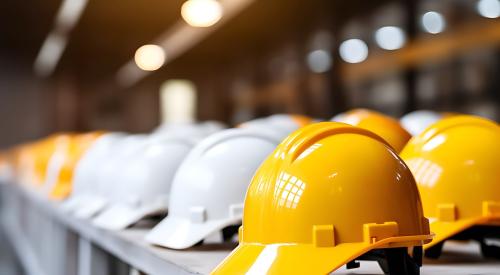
[(425, 50), (54, 45)]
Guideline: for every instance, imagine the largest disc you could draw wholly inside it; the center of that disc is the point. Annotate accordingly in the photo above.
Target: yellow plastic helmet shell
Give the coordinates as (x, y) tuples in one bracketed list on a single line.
[(70, 153), (301, 120), (456, 163), (385, 126), (43, 151), (33, 158), (328, 194)]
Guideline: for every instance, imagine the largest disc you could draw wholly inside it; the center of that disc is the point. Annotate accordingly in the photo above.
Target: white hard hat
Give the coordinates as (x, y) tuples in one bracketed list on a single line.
[(417, 121), (145, 182), (84, 179), (108, 172), (280, 123), (209, 188), (6, 172), (209, 127), (201, 129), (341, 117)]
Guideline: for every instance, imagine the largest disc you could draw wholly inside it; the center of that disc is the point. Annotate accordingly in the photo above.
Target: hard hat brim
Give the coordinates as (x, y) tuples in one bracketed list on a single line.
[(444, 230), (72, 203), (120, 215), (180, 233), (91, 207), (286, 258)]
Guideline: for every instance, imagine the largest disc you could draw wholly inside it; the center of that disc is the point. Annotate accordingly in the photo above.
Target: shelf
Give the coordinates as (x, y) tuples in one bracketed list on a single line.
[(39, 232), (127, 245)]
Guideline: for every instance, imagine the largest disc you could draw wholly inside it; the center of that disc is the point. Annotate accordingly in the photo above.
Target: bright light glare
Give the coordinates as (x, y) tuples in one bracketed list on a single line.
[(353, 51), (49, 55), (178, 101), (149, 57), (390, 38), (319, 61), (70, 12), (489, 8), (201, 13), (433, 22)]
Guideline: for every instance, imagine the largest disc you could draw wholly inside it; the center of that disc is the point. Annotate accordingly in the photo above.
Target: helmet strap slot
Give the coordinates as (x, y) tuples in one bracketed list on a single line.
[(435, 251), (393, 260), (488, 236), (229, 232), (226, 235)]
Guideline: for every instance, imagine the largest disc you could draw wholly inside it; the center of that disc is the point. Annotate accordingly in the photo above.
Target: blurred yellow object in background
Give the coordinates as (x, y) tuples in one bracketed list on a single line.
[(32, 161), (42, 152), (456, 163), (386, 127), (63, 162), (301, 120)]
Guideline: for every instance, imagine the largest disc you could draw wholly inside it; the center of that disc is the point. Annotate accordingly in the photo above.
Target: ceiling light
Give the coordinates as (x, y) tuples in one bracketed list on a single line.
[(319, 61), (353, 51), (149, 57), (489, 8), (178, 101), (70, 12), (433, 22), (201, 13), (390, 38), (50, 52)]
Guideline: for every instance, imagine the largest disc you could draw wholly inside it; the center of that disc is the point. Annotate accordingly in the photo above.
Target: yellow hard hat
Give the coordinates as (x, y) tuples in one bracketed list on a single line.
[(385, 126), (32, 160), (42, 152), (456, 163), (301, 120), (309, 209), (70, 153)]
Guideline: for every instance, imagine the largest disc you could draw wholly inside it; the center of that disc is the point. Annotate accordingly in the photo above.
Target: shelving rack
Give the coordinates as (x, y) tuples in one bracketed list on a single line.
[(51, 242)]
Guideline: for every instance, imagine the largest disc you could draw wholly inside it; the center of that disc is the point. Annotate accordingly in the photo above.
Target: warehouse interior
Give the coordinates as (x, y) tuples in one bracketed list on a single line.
[(254, 65), (71, 67)]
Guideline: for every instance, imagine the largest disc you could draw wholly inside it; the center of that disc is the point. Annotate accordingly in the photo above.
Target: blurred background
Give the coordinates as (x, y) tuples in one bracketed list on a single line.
[(79, 65)]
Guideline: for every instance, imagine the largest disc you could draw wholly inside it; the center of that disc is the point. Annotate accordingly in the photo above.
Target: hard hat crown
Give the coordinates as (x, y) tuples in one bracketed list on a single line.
[(209, 187), (456, 165), (150, 171), (334, 175), (217, 166), (386, 127), (329, 194)]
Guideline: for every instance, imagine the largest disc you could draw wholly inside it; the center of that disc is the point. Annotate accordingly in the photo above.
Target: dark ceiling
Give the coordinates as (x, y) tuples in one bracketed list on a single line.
[(110, 31), (23, 27)]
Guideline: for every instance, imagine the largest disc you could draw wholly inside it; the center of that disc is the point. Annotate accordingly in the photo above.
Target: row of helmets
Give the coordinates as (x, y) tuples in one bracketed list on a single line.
[(328, 194)]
